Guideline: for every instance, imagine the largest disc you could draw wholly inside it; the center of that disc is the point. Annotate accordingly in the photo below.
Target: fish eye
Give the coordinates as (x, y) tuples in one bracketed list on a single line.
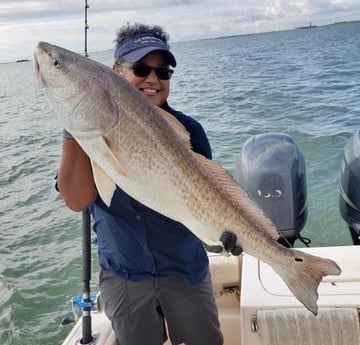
[(57, 62)]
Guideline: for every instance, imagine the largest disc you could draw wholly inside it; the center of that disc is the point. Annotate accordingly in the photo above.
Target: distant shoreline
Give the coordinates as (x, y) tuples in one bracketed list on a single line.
[(268, 32), (22, 60), (307, 27), (229, 36)]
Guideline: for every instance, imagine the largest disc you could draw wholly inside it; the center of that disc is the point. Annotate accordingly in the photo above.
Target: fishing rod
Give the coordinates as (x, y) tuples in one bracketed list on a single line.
[(86, 301), (87, 337), (86, 28)]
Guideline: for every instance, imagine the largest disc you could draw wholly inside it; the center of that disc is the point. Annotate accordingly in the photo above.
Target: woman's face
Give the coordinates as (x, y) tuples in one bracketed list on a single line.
[(155, 89)]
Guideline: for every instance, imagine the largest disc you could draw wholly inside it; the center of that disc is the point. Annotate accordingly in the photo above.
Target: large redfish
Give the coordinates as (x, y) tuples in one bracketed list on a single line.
[(147, 153)]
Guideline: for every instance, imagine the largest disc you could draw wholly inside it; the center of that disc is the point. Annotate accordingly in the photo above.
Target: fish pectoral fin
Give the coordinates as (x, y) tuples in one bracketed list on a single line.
[(110, 157), (104, 184), (176, 125)]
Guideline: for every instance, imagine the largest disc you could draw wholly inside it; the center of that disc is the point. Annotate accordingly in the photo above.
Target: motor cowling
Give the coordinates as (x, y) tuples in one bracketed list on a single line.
[(271, 169), (349, 195)]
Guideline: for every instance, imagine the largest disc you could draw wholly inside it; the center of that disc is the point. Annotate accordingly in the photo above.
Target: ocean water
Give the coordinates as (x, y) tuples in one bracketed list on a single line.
[(304, 83)]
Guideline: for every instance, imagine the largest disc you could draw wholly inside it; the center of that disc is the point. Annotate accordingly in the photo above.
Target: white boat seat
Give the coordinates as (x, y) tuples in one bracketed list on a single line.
[(225, 271), (300, 327)]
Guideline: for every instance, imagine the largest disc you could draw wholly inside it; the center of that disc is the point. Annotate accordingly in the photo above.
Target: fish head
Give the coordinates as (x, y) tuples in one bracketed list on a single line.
[(79, 89)]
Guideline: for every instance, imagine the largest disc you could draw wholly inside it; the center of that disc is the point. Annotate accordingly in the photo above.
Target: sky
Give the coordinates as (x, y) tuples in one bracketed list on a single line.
[(23, 23)]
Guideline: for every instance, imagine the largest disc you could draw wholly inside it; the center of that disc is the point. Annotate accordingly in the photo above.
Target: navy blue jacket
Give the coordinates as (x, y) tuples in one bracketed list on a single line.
[(138, 243)]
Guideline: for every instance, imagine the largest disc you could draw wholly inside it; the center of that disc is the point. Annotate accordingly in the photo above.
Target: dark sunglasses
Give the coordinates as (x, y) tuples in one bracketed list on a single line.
[(141, 70)]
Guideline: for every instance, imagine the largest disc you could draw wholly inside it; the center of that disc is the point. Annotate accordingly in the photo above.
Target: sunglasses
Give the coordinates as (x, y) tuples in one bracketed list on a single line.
[(141, 70)]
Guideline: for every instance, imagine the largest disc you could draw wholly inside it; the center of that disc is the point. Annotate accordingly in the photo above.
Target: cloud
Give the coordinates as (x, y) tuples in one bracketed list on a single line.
[(23, 23), (30, 10)]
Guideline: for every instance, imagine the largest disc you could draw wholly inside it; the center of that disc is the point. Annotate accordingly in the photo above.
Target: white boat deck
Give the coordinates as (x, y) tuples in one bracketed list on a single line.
[(250, 296)]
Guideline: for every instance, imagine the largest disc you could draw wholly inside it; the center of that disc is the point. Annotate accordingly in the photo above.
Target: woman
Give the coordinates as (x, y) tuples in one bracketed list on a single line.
[(152, 268)]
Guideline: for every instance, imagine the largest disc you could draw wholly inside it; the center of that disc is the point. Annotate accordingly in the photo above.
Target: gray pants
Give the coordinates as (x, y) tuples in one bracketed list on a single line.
[(137, 310)]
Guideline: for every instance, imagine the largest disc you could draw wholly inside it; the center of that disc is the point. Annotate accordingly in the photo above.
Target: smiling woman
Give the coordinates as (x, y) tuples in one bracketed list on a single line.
[(140, 51), (139, 166), (98, 110)]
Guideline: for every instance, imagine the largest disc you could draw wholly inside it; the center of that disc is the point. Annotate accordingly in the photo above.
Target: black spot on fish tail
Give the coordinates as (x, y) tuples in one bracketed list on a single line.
[(303, 275)]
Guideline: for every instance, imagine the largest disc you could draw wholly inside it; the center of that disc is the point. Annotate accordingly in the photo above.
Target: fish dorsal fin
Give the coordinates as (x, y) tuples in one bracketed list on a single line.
[(234, 190), (174, 123)]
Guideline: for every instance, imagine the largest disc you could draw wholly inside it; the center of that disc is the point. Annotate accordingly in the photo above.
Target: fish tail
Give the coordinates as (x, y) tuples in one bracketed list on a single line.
[(304, 275)]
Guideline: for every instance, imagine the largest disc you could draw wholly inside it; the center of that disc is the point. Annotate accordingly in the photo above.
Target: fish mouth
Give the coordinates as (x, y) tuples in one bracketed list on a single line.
[(36, 66)]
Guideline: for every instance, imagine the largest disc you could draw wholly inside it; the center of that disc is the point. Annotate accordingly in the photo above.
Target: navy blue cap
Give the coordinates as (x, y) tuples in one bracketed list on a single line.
[(135, 48)]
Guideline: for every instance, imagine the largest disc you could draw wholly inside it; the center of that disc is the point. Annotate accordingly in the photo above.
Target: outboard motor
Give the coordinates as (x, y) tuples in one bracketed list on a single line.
[(271, 169), (349, 199)]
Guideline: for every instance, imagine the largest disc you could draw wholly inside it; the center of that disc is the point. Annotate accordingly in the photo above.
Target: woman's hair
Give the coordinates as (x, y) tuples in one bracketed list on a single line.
[(127, 31)]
